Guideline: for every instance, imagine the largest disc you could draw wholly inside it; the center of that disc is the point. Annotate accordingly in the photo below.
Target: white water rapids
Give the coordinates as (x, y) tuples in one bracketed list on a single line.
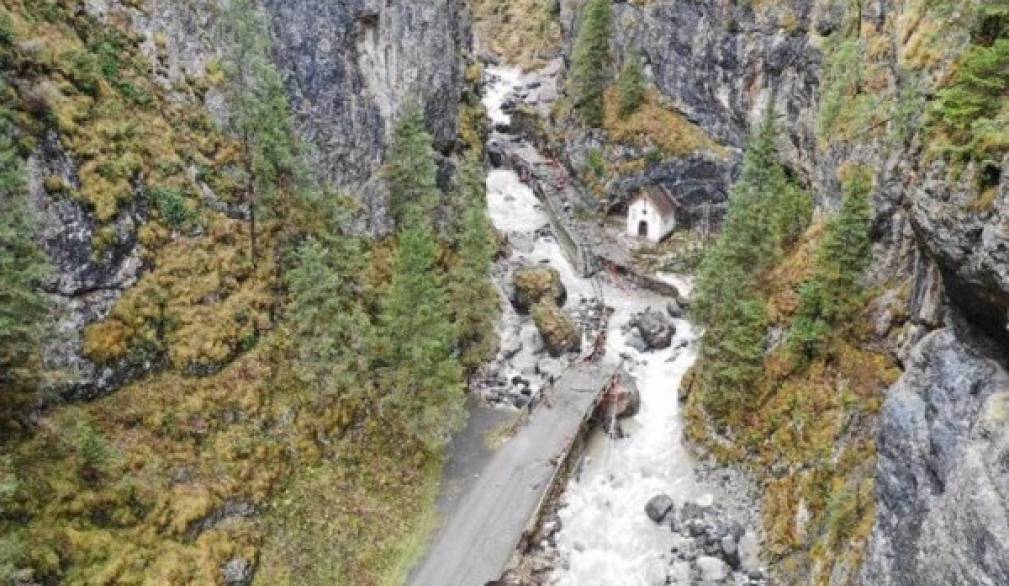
[(606, 538)]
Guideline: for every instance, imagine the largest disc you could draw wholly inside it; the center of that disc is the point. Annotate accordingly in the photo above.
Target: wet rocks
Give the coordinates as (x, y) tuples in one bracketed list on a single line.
[(634, 340), (550, 369), (621, 401), (658, 507), (710, 543), (711, 569), (654, 329), (560, 334), (534, 284)]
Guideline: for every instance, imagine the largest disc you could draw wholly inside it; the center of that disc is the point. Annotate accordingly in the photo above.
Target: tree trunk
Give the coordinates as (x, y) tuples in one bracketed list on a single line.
[(250, 197)]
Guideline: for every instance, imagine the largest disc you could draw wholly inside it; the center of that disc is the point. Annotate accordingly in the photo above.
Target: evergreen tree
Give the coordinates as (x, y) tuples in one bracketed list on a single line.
[(411, 171), (23, 266), (733, 356), (474, 299), (834, 292), (420, 377), (746, 245), (332, 332), (631, 85), (259, 112), (766, 211), (591, 61)]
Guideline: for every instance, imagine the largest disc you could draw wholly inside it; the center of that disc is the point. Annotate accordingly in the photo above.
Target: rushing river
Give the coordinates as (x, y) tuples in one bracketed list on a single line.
[(606, 538)]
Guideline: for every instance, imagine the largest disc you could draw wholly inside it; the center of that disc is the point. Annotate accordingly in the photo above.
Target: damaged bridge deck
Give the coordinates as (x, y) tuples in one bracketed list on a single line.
[(479, 537)]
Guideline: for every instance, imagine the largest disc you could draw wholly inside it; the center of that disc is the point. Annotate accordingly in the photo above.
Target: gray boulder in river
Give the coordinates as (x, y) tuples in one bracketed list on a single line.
[(655, 328)]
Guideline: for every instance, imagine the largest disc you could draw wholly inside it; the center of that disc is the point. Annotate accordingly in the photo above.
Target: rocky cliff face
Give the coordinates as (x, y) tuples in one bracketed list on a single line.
[(351, 67), (943, 473), (940, 261)]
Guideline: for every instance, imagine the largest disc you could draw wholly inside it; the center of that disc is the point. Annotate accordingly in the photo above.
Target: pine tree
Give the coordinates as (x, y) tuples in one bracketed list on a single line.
[(733, 357), (332, 332), (746, 245), (411, 171), (23, 266), (631, 85), (834, 291), (766, 212), (420, 377), (591, 61), (259, 112), (474, 299)]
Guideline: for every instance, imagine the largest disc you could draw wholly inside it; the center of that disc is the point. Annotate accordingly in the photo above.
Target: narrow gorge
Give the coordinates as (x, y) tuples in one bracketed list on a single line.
[(504, 292)]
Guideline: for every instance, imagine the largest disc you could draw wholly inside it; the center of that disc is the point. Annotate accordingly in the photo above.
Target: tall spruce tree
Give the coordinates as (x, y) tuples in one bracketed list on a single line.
[(332, 330), (259, 112), (411, 171), (474, 300), (834, 291), (23, 266), (419, 375), (591, 61), (766, 211)]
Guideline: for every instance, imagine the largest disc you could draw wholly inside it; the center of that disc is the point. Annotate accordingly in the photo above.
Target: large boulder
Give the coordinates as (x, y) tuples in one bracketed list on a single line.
[(658, 507), (532, 285), (237, 572), (560, 334), (624, 398), (655, 328)]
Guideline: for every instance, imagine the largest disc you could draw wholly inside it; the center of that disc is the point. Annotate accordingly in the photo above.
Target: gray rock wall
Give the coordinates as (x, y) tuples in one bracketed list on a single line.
[(352, 67), (943, 470)]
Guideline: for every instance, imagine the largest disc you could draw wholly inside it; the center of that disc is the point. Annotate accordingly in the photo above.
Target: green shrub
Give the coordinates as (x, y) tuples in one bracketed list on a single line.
[(91, 445), (967, 117), (596, 162), (23, 265), (7, 35), (842, 76), (172, 206)]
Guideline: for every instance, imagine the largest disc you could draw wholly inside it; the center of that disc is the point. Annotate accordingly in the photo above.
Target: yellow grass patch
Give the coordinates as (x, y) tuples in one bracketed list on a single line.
[(655, 126)]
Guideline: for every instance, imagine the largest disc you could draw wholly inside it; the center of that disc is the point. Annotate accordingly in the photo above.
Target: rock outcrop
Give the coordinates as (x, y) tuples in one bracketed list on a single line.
[(656, 330), (943, 470), (352, 66)]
